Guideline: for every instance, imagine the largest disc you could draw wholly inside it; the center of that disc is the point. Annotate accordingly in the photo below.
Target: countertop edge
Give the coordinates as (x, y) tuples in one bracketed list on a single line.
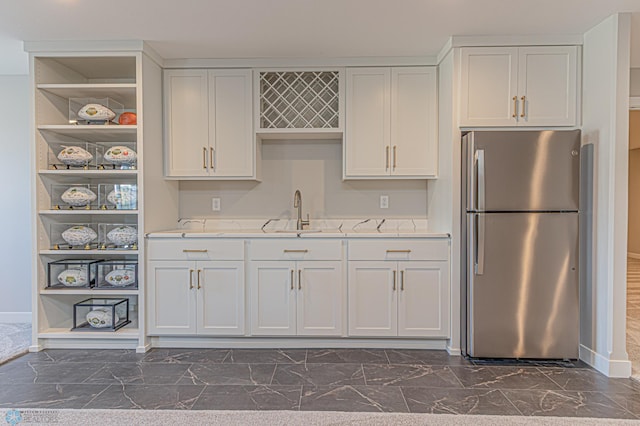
[(180, 234)]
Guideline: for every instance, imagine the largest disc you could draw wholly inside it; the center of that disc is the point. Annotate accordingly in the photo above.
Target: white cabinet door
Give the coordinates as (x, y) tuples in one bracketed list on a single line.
[(172, 298), (547, 85), (320, 298), (423, 299), (273, 298), (372, 298), (414, 131), (186, 123), (220, 289), (368, 119), (230, 123), (488, 86)]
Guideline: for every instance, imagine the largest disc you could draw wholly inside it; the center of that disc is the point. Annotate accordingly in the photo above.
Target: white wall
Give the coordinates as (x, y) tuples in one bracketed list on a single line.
[(605, 125), (316, 169), (15, 249), (634, 89)]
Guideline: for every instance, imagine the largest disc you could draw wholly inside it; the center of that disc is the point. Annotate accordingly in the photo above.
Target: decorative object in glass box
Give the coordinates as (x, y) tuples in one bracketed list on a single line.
[(76, 196), (118, 236), (71, 273), (105, 314), (73, 155), (116, 196), (93, 110), (117, 274), (69, 236), (120, 157)]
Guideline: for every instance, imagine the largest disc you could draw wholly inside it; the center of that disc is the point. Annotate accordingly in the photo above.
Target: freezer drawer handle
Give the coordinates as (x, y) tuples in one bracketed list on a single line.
[(195, 250), (296, 251), (481, 182), (399, 251), (480, 243)]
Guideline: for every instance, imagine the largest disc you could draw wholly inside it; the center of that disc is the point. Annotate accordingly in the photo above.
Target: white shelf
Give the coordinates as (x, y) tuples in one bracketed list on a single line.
[(125, 93), (90, 292), (93, 133), (87, 252), (298, 134), (90, 173), (88, 212), (126, 332)]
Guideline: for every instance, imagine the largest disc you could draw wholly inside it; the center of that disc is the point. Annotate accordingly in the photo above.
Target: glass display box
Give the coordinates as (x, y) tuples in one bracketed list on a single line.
[(117, 196), (118, 236), (74, 197), (118, 156), (117, 274), (71, 273), (92, 111), (74, 155), (73, 236), (101, 314)]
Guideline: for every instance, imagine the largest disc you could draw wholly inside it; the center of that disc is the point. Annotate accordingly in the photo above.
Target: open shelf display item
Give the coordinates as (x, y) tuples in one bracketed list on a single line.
[(81, 155), (94, 111), (73, 236), (77, 196), (101, 314), (117, 274), (120, 236), (72, 273), (117, 196)]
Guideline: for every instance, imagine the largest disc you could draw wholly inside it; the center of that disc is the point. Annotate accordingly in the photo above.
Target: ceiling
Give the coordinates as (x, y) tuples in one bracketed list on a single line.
[(294, 28)]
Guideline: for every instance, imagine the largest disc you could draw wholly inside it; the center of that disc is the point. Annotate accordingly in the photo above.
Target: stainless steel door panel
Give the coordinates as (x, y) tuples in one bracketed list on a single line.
[(523, 171), (525, 302)]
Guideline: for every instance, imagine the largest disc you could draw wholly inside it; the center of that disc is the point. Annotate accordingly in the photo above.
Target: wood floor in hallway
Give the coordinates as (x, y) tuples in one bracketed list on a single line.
[(633, 314)]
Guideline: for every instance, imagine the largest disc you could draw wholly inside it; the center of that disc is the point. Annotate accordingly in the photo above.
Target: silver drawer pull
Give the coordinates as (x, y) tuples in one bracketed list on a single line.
[(296, 251), (399, 251), (195, 250)]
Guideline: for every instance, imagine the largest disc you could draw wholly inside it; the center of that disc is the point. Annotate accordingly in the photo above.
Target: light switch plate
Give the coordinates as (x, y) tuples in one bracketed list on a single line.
[(384, 201), (215, 204)]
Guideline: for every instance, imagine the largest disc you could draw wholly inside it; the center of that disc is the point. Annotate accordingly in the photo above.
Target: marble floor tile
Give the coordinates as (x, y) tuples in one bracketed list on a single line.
[(48, 395), (347, 356), (353, 398), (93, 355), (228, 374), (566, 403), (46, 372), (504, 378), (628, 401), (410, 375), (127, 373), (267, 356), (590, 380), (231, 397), (318, 374), (187, 356), (458, 401), (147, 397), (423, 357), (42, 356)]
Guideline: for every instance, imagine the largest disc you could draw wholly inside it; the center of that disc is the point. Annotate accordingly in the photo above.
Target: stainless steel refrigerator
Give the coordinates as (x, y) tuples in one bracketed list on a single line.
[(520, 194)]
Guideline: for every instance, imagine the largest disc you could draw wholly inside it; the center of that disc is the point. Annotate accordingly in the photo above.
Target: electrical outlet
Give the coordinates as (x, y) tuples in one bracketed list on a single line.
[(215, 204), (384, 201)]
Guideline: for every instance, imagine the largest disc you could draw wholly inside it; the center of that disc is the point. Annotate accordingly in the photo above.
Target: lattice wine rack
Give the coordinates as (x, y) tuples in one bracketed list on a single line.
[(299, 100)]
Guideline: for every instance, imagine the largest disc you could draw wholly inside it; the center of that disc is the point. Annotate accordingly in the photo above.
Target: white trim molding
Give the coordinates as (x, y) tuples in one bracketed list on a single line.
[(15, 317), (609, 367)]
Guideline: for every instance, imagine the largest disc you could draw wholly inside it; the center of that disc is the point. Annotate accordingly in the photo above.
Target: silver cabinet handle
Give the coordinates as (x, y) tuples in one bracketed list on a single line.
[(401, 280), (481, 181), (395, 156), (204, 158), (399, 251), (212, 153), (386, 167), (195, 250), (394, 280), (299, 279), (292, 279), (480, 244), (190, 279), (523, 99), (515, 107), (296, 251), (199, 286)]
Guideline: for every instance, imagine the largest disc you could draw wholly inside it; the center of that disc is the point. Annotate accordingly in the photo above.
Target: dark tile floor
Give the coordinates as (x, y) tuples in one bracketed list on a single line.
[(418, 381)]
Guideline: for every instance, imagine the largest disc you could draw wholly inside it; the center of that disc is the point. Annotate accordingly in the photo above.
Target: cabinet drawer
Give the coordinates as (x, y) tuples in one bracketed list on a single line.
[(294, 249), (366, 249), (195, 249)]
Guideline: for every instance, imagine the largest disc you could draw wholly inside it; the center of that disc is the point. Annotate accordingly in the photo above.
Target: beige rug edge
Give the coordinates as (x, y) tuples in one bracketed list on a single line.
[(289, 418)]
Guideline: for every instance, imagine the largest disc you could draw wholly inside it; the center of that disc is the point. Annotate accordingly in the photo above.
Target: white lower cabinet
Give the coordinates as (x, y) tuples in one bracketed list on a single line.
[(404, 299), (303, 298), (196, 297)]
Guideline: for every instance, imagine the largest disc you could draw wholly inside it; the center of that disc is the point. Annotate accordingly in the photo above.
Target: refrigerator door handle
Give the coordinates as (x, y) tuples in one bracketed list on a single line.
[(481, 182), (479, 244)]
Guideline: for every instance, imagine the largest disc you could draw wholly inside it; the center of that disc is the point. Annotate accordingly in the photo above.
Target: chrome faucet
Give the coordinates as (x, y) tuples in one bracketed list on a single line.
[(297, 204)]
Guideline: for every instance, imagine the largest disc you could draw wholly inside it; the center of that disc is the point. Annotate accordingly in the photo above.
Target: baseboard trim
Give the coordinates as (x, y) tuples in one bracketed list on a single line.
[(608, 367), (15, 317), (633, 255)]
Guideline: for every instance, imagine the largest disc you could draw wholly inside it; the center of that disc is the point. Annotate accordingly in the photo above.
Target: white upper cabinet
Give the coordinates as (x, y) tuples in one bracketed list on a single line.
[(208, 124), (519, 86), (391, 123)]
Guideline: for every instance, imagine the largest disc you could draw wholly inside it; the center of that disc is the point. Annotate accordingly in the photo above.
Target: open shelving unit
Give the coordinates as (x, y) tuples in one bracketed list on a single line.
[(127, 76)]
